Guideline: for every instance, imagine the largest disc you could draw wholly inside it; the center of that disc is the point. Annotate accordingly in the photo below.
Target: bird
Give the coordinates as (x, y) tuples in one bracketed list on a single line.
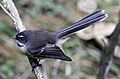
[(43, 44)]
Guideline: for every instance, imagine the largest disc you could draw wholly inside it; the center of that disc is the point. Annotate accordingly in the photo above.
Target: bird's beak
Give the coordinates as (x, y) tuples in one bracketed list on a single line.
[(18, 43), (13, 37)]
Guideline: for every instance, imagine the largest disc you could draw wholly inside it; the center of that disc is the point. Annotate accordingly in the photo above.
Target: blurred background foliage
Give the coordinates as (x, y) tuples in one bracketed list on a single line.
[(84, 47)]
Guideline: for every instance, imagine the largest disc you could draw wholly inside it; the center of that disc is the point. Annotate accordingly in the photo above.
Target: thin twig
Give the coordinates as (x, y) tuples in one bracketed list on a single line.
[(108, 53), (9, 8)]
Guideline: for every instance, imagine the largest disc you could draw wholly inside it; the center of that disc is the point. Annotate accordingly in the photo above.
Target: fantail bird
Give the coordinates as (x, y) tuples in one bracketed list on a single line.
[(42, 44)]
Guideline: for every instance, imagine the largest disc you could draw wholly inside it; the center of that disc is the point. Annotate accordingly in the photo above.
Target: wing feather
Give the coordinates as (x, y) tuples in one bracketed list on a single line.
[(52, 52)]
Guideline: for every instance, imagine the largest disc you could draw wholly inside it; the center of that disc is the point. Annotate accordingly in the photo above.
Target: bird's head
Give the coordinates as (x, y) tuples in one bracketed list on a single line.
[(21, 38)]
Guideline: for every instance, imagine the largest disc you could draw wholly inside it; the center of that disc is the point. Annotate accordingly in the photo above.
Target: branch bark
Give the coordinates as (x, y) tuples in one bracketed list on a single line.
[(108, 53), (9, 8)]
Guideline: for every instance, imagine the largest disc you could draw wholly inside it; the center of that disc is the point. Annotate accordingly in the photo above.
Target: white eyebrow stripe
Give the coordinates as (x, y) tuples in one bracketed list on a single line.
[(20, 36)]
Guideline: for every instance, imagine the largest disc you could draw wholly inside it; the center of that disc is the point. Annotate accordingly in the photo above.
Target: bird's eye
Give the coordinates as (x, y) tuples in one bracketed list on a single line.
[(21, 38)]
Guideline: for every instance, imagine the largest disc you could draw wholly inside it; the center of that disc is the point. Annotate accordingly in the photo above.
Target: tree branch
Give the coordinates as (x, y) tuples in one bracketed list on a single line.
[(108, 53), (9, 8)]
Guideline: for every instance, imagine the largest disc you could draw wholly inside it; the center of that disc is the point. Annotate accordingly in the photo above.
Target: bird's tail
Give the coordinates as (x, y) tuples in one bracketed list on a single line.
[(97, 16)]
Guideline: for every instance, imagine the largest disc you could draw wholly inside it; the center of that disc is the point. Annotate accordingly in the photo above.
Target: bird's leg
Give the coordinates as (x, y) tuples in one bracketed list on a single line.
[(34, 63)]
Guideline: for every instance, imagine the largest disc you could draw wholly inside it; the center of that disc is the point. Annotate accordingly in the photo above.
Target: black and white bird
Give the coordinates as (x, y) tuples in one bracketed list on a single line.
[(43, 44)]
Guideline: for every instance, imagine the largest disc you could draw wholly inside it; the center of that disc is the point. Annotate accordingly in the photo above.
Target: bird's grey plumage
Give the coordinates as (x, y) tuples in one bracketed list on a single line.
[(42, 44)]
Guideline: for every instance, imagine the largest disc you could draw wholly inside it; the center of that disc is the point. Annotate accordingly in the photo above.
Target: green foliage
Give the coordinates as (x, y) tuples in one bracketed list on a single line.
[(6, 29), (7, 68)]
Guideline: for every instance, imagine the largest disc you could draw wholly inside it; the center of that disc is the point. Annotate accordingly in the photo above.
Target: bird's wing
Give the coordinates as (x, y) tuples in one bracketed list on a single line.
[(52, 52)]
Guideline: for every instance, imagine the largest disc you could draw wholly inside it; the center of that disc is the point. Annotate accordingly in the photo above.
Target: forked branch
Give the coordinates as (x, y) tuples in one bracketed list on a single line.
[(9, 8)]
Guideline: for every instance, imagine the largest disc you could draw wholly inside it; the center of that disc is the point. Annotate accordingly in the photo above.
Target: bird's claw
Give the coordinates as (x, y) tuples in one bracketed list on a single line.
[(36, 65)]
